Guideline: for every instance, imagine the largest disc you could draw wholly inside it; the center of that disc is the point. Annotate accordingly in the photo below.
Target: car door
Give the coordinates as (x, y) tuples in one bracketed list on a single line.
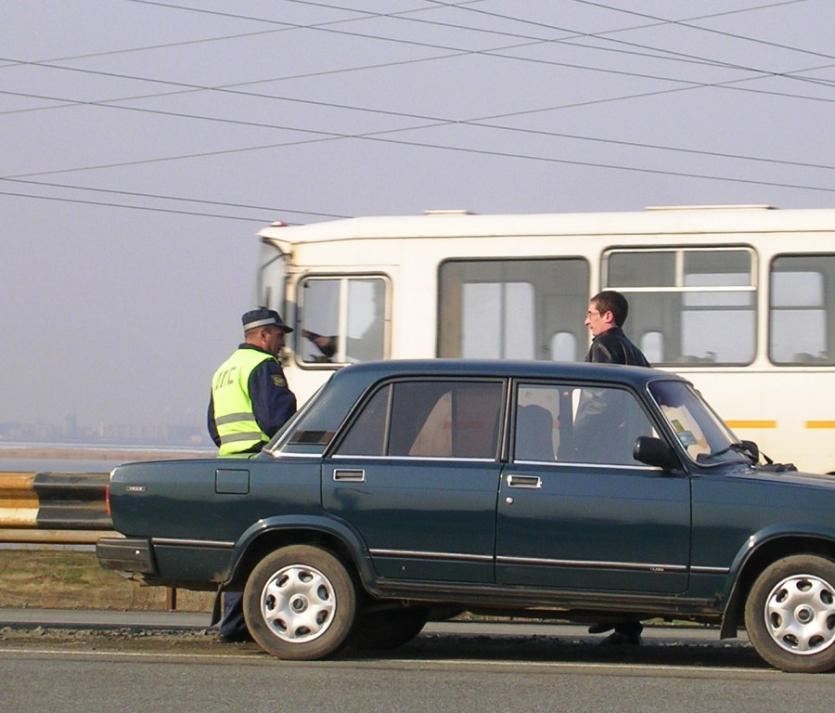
[(416, 474), (575, 510)]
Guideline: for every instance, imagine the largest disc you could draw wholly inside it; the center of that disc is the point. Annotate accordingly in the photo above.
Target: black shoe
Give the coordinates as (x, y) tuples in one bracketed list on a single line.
[(234, 637), (600, 628), (622, 638)]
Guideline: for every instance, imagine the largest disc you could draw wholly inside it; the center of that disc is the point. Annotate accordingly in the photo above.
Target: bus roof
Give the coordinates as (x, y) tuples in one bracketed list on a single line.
[(657, 220)]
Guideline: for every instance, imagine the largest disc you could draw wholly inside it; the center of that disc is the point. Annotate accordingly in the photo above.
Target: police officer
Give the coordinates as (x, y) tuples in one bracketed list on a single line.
[(250, 398), (250, 401)]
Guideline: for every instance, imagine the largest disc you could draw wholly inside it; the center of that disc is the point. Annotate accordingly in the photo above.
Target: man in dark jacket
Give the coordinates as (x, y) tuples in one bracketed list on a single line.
[(606, 315)]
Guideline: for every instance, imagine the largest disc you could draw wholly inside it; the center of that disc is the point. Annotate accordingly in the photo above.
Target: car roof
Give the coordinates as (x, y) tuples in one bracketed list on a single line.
[(635, 376), (329, 408)]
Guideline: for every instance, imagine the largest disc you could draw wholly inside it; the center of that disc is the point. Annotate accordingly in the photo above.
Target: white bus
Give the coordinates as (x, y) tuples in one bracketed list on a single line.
[(738, 299)]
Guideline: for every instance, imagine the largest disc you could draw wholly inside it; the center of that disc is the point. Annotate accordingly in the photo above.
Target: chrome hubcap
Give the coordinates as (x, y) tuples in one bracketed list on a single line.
[(800, 614), (298, 603)]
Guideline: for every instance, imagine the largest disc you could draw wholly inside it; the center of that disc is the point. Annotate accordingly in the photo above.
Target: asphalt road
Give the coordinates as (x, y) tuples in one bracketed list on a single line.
[(83, 661)]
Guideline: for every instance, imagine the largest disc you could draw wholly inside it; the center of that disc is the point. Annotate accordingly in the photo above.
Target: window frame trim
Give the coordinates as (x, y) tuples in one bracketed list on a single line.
[(754, 287), (678, 251), (342, 313)]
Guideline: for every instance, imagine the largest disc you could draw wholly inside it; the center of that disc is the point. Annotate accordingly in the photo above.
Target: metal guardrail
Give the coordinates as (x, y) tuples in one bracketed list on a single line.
[(54, 508), (58, 509)]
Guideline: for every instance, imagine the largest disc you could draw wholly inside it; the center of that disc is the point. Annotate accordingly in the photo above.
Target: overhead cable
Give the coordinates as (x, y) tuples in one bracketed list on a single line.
[(160, 196)]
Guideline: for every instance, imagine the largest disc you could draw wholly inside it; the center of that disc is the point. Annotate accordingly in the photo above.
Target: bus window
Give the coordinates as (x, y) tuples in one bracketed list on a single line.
[(512, 309), (652, 345), (802, 309), (700, 302), (481, 303), (564, 347), (341, 319)]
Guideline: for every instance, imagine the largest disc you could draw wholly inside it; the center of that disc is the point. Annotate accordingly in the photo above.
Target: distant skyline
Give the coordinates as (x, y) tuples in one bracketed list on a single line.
[(70, 432), (144, 143)]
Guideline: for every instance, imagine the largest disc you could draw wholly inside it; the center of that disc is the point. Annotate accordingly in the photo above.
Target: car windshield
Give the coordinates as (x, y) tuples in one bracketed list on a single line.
[(699, 430)]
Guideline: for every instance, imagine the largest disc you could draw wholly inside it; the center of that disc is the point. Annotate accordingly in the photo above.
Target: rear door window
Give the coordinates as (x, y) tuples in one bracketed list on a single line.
[(429, 419)]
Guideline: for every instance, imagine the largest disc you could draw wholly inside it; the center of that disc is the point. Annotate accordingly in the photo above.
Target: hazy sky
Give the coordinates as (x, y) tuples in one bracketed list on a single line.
[(257, 110)]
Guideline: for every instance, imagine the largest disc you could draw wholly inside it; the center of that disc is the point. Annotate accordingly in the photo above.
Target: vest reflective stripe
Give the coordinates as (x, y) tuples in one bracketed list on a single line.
[(233, 418), (244, 436), (236, 425)]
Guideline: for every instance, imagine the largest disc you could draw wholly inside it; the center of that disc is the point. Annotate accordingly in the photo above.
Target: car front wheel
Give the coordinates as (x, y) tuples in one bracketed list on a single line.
[(300, 603), (790, 614)]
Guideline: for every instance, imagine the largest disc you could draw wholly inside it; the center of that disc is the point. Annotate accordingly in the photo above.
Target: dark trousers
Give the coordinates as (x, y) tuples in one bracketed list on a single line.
[(232, 622)]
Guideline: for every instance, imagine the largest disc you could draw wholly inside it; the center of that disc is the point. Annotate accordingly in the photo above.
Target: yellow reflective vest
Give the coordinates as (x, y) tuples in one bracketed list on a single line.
[(236, 425)]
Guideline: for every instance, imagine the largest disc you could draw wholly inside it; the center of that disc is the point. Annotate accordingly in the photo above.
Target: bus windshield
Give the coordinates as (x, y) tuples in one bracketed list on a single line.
[(699, 430)]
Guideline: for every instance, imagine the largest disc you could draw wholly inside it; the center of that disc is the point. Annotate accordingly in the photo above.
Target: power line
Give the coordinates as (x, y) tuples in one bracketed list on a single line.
[(723, 13), (165, 45), (119, 75), (170, 198), (133, 207), (378, 136), (180, 157), (189, 86), (183, 43), (436, 121), (686, 23), (488, 53), (678, 57), (163, 112), (440, 121), (616, 167), (729, 65), (570, 65), (378, 65), (199, 88), (133, 97)]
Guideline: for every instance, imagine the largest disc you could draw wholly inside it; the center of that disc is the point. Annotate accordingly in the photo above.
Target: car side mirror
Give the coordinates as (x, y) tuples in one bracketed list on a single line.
[(656, 452), (753, 449)]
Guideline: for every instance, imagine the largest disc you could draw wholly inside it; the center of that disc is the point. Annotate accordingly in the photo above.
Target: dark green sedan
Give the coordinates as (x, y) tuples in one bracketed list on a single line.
[(593, 493)]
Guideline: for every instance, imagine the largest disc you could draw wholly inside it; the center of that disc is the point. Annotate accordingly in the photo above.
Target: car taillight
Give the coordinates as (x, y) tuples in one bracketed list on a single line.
[(107, 500)]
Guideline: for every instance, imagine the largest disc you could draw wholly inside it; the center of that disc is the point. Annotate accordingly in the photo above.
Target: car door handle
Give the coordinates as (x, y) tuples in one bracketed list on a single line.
[(524, 481), (349, 476)]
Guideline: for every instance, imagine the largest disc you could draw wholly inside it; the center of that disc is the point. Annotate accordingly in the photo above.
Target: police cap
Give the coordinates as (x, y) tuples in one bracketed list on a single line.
[(263, 317)]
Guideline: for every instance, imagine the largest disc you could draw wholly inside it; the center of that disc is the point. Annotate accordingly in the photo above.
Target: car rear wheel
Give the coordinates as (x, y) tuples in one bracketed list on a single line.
[(790, 614), (387, 629), (300, 603)]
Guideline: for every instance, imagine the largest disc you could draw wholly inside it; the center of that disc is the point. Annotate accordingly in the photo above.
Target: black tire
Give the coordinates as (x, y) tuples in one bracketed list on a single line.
[(300, 603), (790, 614), (387, 629)]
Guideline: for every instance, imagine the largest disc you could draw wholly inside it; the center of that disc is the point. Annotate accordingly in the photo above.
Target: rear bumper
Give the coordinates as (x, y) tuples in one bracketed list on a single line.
[(134, 555)]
